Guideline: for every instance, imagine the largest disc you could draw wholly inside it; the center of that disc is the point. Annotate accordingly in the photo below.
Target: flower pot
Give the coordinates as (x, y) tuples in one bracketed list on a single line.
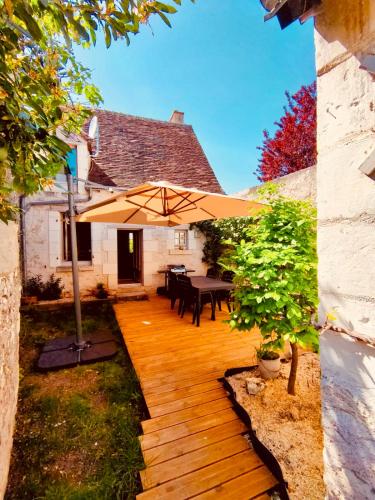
[(269, 368)]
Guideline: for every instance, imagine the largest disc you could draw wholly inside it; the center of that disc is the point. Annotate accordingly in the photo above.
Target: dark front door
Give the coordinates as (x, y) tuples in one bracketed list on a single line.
[(129, 256)]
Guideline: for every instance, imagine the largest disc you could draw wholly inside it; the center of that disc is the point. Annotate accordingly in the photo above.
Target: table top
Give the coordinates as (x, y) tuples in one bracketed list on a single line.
[(204, 284), (161, 271)]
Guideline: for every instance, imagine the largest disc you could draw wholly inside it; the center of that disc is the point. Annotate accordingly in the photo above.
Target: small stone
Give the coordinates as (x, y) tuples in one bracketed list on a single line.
[(254, 385)]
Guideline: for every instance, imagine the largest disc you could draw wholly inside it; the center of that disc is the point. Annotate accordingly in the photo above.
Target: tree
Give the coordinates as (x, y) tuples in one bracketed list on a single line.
[(293, 146), (43, 88), (276, 276)]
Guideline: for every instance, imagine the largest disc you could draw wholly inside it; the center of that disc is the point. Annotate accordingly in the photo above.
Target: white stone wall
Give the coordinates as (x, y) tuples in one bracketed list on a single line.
[(300, 185), (44, 248), (9, 330), (345, 31)]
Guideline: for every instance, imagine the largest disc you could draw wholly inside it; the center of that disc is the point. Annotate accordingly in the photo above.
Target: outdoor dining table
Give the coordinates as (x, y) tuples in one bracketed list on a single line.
[(166, 271), (202, 285)]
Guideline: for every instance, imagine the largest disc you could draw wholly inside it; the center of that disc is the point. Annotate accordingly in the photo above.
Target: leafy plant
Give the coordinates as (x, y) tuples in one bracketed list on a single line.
[(276, 276), (101, 292), (52, 289), (219, 235), (45, 93), (34, 286), (264, 352)]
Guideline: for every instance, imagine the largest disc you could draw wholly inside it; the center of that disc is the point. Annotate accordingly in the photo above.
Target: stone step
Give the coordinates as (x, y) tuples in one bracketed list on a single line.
[(127, 296)]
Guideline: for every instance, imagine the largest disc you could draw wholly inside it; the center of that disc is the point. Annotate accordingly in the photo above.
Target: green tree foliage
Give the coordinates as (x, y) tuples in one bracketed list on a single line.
[(276, 275), (220, 235), (43, 88)]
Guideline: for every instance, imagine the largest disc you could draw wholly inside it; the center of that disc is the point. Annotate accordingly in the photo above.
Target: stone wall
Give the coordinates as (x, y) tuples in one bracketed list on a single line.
[(345, 32), (300, 185), (9, 330)]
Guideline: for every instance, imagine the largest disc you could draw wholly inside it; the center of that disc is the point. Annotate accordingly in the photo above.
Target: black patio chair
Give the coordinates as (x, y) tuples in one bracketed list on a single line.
[(189, 297), (212, 273), (225, 295), (173, 288)]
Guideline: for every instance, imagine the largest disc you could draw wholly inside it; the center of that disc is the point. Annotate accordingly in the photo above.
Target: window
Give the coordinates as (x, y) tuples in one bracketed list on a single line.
[(83, 240), (181, 239)]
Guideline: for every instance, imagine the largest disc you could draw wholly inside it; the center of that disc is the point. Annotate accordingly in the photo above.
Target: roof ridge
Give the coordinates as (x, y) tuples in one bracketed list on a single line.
[(165, 122)]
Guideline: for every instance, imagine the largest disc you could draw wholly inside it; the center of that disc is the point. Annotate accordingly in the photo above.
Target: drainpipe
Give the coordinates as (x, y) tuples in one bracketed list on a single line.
[(23, 240)]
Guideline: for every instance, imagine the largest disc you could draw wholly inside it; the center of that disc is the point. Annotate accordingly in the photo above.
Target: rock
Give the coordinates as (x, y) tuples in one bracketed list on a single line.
[(254, 385)]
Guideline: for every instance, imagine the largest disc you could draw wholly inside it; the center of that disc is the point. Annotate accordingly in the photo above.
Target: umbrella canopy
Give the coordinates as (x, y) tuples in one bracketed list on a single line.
[(163, 204)]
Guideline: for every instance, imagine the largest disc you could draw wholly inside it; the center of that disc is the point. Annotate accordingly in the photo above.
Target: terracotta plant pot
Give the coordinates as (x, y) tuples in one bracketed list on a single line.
[(269, 368)]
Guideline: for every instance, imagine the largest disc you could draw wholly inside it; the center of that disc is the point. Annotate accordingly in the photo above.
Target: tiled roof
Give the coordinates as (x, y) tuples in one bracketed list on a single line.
[(134, 150)]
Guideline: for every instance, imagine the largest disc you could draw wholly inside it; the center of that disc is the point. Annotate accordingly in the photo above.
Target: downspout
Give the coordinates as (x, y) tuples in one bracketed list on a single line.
[(23, 241)]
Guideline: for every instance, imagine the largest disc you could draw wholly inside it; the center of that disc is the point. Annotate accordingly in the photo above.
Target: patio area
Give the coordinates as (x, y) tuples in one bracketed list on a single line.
[(193, 444)]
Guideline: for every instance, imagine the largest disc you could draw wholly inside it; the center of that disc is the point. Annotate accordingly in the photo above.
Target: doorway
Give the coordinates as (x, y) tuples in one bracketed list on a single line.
[(129, 257)]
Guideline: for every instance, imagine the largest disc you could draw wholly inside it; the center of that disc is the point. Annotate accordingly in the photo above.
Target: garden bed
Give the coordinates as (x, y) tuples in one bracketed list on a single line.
[(76, 430), (289, 426)]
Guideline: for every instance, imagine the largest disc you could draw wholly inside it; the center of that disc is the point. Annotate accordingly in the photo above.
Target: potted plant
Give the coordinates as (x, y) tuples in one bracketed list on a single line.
[(101, 292), (269, 362)]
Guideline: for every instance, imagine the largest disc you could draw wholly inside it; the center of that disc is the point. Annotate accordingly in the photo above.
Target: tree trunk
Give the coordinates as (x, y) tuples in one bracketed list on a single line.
[(293, 369)]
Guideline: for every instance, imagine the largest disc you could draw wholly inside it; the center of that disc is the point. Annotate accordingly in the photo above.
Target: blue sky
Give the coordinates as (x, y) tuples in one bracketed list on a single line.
[(221, 65)]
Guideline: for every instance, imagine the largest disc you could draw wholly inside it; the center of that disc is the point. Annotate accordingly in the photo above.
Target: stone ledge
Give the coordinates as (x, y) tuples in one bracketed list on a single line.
[(68, 268)]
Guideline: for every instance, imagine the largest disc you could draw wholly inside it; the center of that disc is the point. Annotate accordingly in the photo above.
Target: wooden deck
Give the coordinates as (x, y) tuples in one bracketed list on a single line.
[(192, 444)]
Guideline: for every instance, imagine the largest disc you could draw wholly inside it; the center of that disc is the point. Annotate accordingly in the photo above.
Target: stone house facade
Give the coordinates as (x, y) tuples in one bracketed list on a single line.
[(128, 151)]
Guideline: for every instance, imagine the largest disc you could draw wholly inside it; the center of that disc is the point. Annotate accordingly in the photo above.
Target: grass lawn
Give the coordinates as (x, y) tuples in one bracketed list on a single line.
[(76, 430)]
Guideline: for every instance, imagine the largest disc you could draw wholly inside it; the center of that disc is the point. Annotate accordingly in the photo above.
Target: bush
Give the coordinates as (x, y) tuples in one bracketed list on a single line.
[(34, 286), (50, 290)]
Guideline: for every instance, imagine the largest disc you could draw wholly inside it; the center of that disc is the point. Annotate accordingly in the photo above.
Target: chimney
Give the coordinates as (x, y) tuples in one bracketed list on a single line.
[(177, 117)]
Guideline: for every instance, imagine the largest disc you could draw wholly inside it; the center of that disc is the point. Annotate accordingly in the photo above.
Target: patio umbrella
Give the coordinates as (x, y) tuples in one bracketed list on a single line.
[(163, 204)]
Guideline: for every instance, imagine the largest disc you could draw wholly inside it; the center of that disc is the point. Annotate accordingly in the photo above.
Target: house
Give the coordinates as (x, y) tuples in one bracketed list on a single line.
[(128, 151)]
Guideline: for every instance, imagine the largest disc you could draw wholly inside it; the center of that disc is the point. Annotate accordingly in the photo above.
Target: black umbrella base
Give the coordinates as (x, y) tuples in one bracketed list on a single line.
[(65, 353)]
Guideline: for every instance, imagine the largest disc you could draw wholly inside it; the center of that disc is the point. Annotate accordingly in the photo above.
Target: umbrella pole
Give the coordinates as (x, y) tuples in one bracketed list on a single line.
[(80, 343)]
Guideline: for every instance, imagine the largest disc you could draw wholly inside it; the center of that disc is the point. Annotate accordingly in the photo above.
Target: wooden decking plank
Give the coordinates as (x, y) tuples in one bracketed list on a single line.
[(158, 378), (179, 466), (155, 424), (182, 359), (189, 428), (192, 444), (185, 351), (169, 386), (250, 485), (174, 395), (188, 402), (209, 477), (167, 451)]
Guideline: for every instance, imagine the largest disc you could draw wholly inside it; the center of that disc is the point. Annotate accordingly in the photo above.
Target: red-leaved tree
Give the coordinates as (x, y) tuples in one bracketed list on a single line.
[(293, 146)]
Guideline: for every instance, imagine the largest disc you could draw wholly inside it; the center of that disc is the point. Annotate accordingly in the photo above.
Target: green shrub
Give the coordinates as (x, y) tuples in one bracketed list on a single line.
[(34, 286), (50, 290), (276, 276)]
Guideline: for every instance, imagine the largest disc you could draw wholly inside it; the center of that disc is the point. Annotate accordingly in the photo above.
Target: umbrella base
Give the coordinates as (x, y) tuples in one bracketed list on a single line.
[(65, 353)]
